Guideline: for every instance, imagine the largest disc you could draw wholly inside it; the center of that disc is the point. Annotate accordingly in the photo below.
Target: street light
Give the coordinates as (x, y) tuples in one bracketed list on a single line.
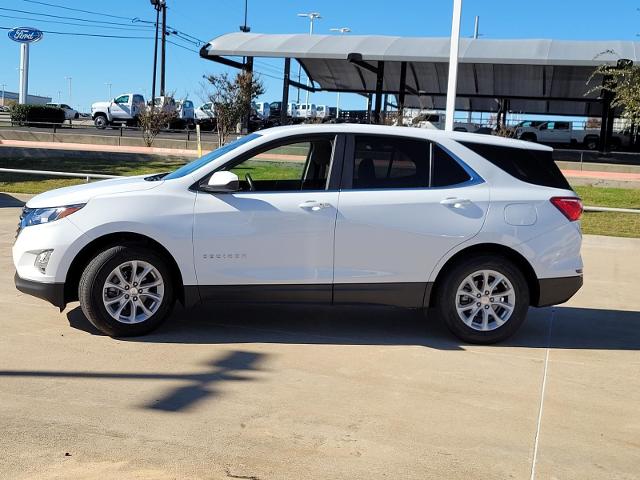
[(244, 28), (69, 80), (342, 31), (312, 16), (109, 87), (3, 87)]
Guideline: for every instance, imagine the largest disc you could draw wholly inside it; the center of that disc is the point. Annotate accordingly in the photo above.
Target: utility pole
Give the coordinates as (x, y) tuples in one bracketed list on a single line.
[(157, 5), (164, 47), (312, 16), (109, 87), (69, 80), (342, 31), (453, 65), (476, 28)]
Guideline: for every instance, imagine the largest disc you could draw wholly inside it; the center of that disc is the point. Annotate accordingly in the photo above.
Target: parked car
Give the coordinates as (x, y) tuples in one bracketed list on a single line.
[(69, 113), (477, 227), (306, 111), (262, 109), (205, 115), (436, 121), (123, 109), (185, 112), (563, 133), (326, 113)]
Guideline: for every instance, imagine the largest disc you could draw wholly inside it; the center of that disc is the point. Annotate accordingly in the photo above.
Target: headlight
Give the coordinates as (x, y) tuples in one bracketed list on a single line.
[(36, 216)]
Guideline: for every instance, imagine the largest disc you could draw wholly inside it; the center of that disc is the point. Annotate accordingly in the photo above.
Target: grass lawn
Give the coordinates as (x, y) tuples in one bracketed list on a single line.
[(607, 223), (20, 183)]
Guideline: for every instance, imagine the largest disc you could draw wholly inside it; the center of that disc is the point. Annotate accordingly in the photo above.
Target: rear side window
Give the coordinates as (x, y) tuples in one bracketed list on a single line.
[(531, 166), (396, 162)]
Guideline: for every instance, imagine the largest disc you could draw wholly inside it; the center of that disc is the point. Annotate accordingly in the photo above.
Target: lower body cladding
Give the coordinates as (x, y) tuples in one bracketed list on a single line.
[(551, 291)]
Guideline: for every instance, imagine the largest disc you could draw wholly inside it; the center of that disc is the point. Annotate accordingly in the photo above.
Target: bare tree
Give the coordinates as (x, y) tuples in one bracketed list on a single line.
[(153, 119), (231, 99)]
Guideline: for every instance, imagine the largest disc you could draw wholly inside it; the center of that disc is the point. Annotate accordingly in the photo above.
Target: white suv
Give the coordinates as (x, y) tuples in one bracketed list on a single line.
[(478, 227)]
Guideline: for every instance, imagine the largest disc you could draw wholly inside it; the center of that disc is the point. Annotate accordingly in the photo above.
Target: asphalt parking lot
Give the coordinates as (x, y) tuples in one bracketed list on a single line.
[(293, 393)]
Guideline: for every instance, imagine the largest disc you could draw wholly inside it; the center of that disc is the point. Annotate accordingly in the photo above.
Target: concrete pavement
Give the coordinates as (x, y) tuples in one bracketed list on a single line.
[(299, 393)]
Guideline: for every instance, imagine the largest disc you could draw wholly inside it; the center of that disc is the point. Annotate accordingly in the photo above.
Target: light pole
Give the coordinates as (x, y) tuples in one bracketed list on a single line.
[(109, 87), (244, 28), (3, 87), (312, 16), (69, 80), (453, 65), (342, 31)]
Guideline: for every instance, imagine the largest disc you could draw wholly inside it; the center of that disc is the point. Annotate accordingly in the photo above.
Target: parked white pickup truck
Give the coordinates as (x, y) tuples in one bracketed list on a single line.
[(122, 109), (554, 132)]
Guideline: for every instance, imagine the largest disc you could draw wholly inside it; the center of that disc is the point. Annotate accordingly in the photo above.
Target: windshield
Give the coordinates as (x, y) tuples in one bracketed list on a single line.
[(210, 157)]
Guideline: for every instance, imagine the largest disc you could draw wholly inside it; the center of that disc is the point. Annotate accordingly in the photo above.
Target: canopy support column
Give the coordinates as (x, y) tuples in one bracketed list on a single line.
[(369, 101), (379, 82), (285, 92), (606, 121), (248, 69), (403, 91)]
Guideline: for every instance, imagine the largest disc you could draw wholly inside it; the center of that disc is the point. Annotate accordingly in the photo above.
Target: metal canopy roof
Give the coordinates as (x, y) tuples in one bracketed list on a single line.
[(537, 76)]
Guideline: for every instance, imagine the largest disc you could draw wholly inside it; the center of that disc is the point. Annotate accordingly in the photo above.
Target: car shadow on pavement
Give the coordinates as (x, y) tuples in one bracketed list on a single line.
[(571, 328), (199, 385), (9, 201)]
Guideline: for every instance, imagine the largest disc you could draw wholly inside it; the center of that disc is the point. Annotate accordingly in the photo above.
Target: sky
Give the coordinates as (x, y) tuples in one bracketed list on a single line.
[(93, 62)]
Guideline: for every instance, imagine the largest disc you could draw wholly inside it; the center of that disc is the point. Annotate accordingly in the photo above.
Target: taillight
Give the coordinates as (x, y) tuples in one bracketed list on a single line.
[(571, 207)]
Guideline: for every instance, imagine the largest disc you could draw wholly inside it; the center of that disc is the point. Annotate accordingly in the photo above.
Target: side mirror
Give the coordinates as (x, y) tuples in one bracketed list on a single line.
[(222, 182)]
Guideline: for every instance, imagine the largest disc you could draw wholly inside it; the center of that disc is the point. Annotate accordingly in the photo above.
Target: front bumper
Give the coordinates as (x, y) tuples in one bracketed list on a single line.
[(51, 292), (553, 291)]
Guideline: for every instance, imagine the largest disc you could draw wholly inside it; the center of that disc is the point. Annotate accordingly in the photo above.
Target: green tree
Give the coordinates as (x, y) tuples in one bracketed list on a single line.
[(231, 99), (623, 81)]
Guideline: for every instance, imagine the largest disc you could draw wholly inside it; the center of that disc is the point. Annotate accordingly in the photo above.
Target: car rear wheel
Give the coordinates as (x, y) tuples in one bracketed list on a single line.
[(125, 291), (484, 300)]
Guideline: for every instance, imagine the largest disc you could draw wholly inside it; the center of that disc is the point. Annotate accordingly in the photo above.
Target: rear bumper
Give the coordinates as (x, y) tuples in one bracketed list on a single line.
[(51, 292), (554, 291)]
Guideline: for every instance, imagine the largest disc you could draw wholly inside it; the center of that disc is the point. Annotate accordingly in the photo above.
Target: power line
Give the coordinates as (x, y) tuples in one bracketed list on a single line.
[(66, 18), (77, 10), (78, 34), (75, 24)]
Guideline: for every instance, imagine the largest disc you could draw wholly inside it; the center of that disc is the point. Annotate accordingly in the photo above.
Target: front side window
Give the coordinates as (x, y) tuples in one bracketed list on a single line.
[(396, 162), (122, 99), (299, 165), (210, 157)]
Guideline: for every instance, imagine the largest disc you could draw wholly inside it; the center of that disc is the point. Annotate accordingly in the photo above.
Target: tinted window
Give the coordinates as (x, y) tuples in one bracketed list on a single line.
[(531, 166), (445, 171), (122, 99), (394, 162)]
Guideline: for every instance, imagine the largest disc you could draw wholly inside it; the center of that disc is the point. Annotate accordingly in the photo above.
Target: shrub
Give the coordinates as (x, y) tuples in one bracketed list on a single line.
[(36, 115)]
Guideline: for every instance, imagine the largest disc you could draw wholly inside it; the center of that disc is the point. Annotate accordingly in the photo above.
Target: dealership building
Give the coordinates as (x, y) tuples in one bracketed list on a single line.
[(9, 98)]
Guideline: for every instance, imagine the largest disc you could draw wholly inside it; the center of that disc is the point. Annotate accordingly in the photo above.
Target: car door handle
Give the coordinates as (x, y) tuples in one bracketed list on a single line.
[(314, 205), (455, 202)]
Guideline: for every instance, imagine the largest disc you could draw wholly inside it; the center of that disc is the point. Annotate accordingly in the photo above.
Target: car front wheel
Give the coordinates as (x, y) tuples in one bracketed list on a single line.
[(125, 291), (484, 300)]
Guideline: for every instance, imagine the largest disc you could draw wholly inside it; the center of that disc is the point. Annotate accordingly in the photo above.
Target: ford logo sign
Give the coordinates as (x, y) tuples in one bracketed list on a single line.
[(25, 34)]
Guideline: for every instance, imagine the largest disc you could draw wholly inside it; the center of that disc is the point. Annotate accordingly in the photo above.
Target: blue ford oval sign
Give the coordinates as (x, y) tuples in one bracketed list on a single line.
[(25, 34)]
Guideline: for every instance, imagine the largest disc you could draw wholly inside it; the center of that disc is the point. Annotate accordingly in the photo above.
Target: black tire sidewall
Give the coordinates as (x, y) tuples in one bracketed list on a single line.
[(92, 282), (446, 299)]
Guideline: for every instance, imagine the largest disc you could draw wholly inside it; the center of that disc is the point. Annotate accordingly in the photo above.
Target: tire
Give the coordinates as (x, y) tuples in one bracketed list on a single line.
[(158, 300), (473, 330), (591, 143), (529, 137), (101, 122)]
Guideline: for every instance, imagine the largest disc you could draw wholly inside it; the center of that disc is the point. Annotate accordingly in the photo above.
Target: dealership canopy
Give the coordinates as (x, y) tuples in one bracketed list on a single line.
[(535, 76)]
